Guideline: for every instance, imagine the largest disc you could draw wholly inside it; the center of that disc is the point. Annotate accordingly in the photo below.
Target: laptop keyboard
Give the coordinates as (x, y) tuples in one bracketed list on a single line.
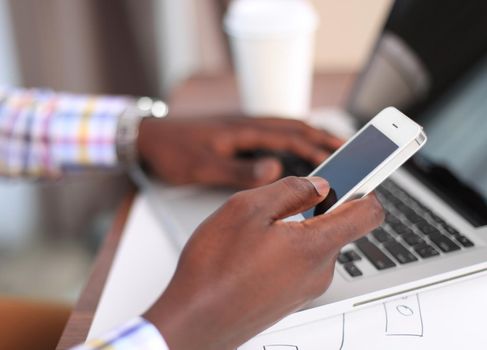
[(411, 232)]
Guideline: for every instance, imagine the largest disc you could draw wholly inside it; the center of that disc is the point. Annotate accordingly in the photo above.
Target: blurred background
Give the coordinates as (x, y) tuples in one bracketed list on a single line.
[(50, 231)]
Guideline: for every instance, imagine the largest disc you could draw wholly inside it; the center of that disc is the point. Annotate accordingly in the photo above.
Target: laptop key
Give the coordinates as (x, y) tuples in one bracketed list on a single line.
[(352, 270), (402, 229), (436, 218), (381, 235), (450, 229), (348, 256), (414, 218), (426, 251), (429, 230), (352, 255), (401, 254), (412, 239), (443, 242), (403, 208), (343, 259), (464, 241), (392, 220), (398, 203), (422, 225), (374, 254)]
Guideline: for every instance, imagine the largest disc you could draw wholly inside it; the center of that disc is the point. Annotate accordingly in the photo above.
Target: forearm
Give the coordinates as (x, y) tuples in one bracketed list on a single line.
[(44, 133)]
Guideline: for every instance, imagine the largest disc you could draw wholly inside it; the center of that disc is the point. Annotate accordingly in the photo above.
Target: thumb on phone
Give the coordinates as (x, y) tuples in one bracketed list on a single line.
[(290, 196)]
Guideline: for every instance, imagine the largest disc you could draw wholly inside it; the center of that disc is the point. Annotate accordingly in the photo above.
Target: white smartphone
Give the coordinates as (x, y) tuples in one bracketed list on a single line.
[(368, 158)]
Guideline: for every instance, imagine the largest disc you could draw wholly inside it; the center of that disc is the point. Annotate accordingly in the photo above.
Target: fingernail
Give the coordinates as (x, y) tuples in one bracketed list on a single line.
[(321, 186)]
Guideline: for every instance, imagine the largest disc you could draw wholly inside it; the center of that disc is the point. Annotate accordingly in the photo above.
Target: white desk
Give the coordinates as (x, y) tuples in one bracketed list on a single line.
[(451, 317)]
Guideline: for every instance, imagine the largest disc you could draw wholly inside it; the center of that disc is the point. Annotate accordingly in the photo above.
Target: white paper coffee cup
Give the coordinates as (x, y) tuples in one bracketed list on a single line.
[(272, 43)]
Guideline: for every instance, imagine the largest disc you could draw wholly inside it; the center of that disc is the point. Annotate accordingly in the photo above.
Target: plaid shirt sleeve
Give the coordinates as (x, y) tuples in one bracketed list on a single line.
[(135, 334), (43, 133)]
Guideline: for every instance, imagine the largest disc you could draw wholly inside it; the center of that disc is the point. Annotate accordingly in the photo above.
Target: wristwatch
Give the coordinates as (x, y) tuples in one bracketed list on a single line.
[(128, 127)]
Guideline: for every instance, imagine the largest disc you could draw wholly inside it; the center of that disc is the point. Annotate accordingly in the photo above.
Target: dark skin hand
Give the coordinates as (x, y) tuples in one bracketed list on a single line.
[(245, 268), (202, 150)]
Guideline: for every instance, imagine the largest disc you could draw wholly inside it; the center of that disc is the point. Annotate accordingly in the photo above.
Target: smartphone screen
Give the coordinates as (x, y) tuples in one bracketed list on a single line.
[(353, 163)]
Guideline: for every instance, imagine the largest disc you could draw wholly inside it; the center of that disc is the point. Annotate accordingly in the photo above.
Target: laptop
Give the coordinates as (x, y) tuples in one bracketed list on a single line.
[(435, 230)]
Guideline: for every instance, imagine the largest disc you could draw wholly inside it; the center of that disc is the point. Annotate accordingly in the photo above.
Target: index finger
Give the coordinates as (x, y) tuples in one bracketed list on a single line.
[(324, 138), (346, 223), (249, 139), (318, 136)]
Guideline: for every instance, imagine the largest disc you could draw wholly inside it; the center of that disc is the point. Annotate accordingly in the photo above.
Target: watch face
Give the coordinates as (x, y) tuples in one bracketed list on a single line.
[(126, 135)]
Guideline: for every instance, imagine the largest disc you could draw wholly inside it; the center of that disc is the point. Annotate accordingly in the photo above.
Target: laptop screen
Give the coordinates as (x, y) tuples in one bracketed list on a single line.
[(455, 156)]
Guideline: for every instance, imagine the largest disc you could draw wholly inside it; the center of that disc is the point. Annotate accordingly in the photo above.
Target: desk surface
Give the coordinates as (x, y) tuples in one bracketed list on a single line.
[(201, 95)]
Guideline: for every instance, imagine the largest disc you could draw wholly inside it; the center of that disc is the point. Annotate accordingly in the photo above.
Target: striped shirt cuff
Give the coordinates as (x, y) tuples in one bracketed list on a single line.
[(43, 133), (135, 334)]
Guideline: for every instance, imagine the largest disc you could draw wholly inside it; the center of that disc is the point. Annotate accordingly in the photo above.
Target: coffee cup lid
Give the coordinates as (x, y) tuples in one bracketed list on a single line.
[(257, 18)]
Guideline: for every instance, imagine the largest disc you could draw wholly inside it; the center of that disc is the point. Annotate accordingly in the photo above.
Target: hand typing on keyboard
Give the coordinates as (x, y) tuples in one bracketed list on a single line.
[(245, 268), (206, 150)]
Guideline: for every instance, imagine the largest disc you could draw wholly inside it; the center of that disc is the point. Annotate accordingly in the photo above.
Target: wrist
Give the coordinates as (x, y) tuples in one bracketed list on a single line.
[(151, 135), (171, 321), (129, 131), (189, 322)]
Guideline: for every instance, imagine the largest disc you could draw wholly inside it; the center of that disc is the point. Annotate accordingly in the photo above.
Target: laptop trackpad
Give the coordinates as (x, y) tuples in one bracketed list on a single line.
[(189, 205)]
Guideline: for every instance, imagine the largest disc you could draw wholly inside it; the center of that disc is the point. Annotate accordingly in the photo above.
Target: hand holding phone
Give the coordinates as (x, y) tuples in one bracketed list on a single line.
[(368, 158)]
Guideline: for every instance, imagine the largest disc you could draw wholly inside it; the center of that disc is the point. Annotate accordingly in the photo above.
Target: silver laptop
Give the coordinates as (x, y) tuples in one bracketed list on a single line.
[(436, 214)]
